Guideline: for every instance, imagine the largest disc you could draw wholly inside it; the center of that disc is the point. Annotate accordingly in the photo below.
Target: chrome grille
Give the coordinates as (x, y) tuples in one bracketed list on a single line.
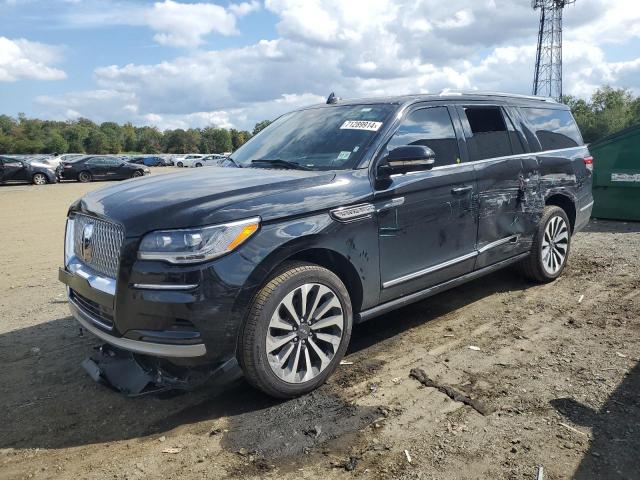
[(106, 242)]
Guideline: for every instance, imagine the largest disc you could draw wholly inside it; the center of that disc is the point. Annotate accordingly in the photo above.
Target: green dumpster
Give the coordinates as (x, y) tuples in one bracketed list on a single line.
[(616, 180)]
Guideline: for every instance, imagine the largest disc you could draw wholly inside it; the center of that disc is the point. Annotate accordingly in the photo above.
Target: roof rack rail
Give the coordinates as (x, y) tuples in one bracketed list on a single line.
[(481, 93)]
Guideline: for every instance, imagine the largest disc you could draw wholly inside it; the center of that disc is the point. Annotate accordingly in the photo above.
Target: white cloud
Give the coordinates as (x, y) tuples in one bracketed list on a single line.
[(23, 59), (355, 48), (176, 24), (186, 24), (244, 8)]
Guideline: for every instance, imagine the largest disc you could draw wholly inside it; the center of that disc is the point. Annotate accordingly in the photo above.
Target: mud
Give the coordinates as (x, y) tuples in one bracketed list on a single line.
[(296, 426)]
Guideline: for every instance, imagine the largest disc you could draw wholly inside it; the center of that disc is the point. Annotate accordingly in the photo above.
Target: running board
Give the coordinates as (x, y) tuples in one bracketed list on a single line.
[(428, 292)]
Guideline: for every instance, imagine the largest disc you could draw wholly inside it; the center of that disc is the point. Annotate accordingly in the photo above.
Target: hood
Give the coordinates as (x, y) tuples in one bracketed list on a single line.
[(204, 197)]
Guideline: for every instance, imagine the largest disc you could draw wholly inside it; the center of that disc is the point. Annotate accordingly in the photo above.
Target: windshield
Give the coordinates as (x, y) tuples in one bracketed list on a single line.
[(323, 138)]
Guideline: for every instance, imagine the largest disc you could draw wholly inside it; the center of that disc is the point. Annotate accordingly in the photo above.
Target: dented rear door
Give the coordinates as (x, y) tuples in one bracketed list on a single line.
[(509, 202)]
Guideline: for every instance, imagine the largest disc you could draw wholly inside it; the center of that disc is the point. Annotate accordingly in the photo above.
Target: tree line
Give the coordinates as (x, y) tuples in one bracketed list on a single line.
[(31, 135), (607, 111)]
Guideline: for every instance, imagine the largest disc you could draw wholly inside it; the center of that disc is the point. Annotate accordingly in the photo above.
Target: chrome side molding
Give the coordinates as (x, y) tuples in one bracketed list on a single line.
[(449, 263), (426, 271), (155, 286)]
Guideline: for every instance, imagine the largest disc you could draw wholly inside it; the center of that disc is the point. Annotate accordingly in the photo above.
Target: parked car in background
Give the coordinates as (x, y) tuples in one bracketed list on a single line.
[(99, 167), (190, 160), (16, 170), (148, 160), (214, 160)]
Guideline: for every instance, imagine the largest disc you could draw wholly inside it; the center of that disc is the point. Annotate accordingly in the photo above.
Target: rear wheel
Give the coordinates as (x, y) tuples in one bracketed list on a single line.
[(180, 164), (550, 248), (39, 179), (85, 177), (297, 331)]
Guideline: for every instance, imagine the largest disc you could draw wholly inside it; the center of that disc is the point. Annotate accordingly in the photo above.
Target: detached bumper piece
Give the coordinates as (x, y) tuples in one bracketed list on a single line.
[(137, 375)]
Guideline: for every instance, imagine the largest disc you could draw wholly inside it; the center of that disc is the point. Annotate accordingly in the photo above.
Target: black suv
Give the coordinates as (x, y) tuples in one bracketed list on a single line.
[(100, 167), (331, 216)]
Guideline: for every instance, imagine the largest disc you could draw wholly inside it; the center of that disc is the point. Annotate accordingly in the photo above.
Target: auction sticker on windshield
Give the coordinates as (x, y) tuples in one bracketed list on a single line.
[(361, 125)]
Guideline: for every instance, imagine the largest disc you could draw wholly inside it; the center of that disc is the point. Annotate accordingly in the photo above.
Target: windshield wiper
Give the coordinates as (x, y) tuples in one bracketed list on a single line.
[(277, 162)]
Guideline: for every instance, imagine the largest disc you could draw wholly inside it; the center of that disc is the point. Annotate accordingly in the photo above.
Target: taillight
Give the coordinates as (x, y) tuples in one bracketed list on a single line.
[(588, 162)]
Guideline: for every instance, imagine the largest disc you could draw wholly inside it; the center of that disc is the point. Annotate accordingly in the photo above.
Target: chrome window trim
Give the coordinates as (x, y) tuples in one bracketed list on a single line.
[(147, 348), (426, 271), (104, 284), (155, 286), (587, 206), (506, 157)]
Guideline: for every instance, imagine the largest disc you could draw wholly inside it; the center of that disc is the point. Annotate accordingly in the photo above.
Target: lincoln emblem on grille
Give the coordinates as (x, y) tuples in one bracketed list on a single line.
[(87, 248)]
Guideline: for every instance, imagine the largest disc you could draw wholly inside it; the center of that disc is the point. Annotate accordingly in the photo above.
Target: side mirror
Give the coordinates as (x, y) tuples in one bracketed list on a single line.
[(408, 158)]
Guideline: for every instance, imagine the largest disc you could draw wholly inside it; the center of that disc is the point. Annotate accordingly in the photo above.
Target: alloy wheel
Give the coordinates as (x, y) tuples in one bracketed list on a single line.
[(555, 245), (304, 333), (84, 177), (137, 174), (39, 179)]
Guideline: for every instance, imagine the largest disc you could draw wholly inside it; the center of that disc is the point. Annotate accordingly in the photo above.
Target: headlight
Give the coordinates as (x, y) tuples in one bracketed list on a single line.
[(196, 244)]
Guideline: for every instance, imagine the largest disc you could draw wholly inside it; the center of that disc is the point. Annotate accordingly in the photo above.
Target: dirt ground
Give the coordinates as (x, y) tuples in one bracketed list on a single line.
[(557, 366)]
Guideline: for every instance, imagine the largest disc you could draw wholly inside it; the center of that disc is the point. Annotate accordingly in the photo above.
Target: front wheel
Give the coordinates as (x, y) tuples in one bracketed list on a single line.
[(198, 164), (39, 179), (136, 174), (550, 248), (297, 331), (84, 177), (180, 164)]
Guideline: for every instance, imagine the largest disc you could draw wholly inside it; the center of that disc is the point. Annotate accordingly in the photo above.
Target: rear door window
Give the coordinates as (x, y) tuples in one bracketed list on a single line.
[(554, 128), (433, 128), (487, 133)]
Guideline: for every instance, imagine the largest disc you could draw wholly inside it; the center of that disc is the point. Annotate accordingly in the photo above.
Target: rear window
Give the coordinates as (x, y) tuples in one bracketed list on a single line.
[(554, 128)]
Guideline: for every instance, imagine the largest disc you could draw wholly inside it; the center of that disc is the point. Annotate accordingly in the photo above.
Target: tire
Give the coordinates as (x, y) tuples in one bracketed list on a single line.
[(84, 177), (547, 261), (328, 299), (39, 179), (137, 174), (198, 164), (180, 164)]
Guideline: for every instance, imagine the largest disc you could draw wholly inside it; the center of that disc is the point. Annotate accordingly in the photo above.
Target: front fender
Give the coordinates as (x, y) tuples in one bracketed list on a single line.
[(278, 242)]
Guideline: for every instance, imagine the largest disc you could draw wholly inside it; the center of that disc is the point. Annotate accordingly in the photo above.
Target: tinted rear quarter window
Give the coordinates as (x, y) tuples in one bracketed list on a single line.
[(489, 137), (554, 128)]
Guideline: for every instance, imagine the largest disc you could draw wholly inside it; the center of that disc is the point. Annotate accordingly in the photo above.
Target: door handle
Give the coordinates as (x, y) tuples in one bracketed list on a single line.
[(461, 190)]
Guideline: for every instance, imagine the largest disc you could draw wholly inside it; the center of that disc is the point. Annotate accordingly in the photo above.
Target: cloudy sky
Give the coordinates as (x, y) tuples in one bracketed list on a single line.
[(179, 63)]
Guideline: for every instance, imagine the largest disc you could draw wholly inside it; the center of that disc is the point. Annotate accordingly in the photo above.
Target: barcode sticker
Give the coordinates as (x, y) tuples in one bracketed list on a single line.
[(361, 125)]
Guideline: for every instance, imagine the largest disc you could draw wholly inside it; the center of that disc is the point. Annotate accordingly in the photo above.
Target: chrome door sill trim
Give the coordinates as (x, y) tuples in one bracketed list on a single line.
[(378, 310), (154, 286), (497, 243), (146, 348), (426, 271)]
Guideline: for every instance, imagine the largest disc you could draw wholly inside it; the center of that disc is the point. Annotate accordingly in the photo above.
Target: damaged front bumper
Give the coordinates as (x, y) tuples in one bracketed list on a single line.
[(147, 348), (136, 375)]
